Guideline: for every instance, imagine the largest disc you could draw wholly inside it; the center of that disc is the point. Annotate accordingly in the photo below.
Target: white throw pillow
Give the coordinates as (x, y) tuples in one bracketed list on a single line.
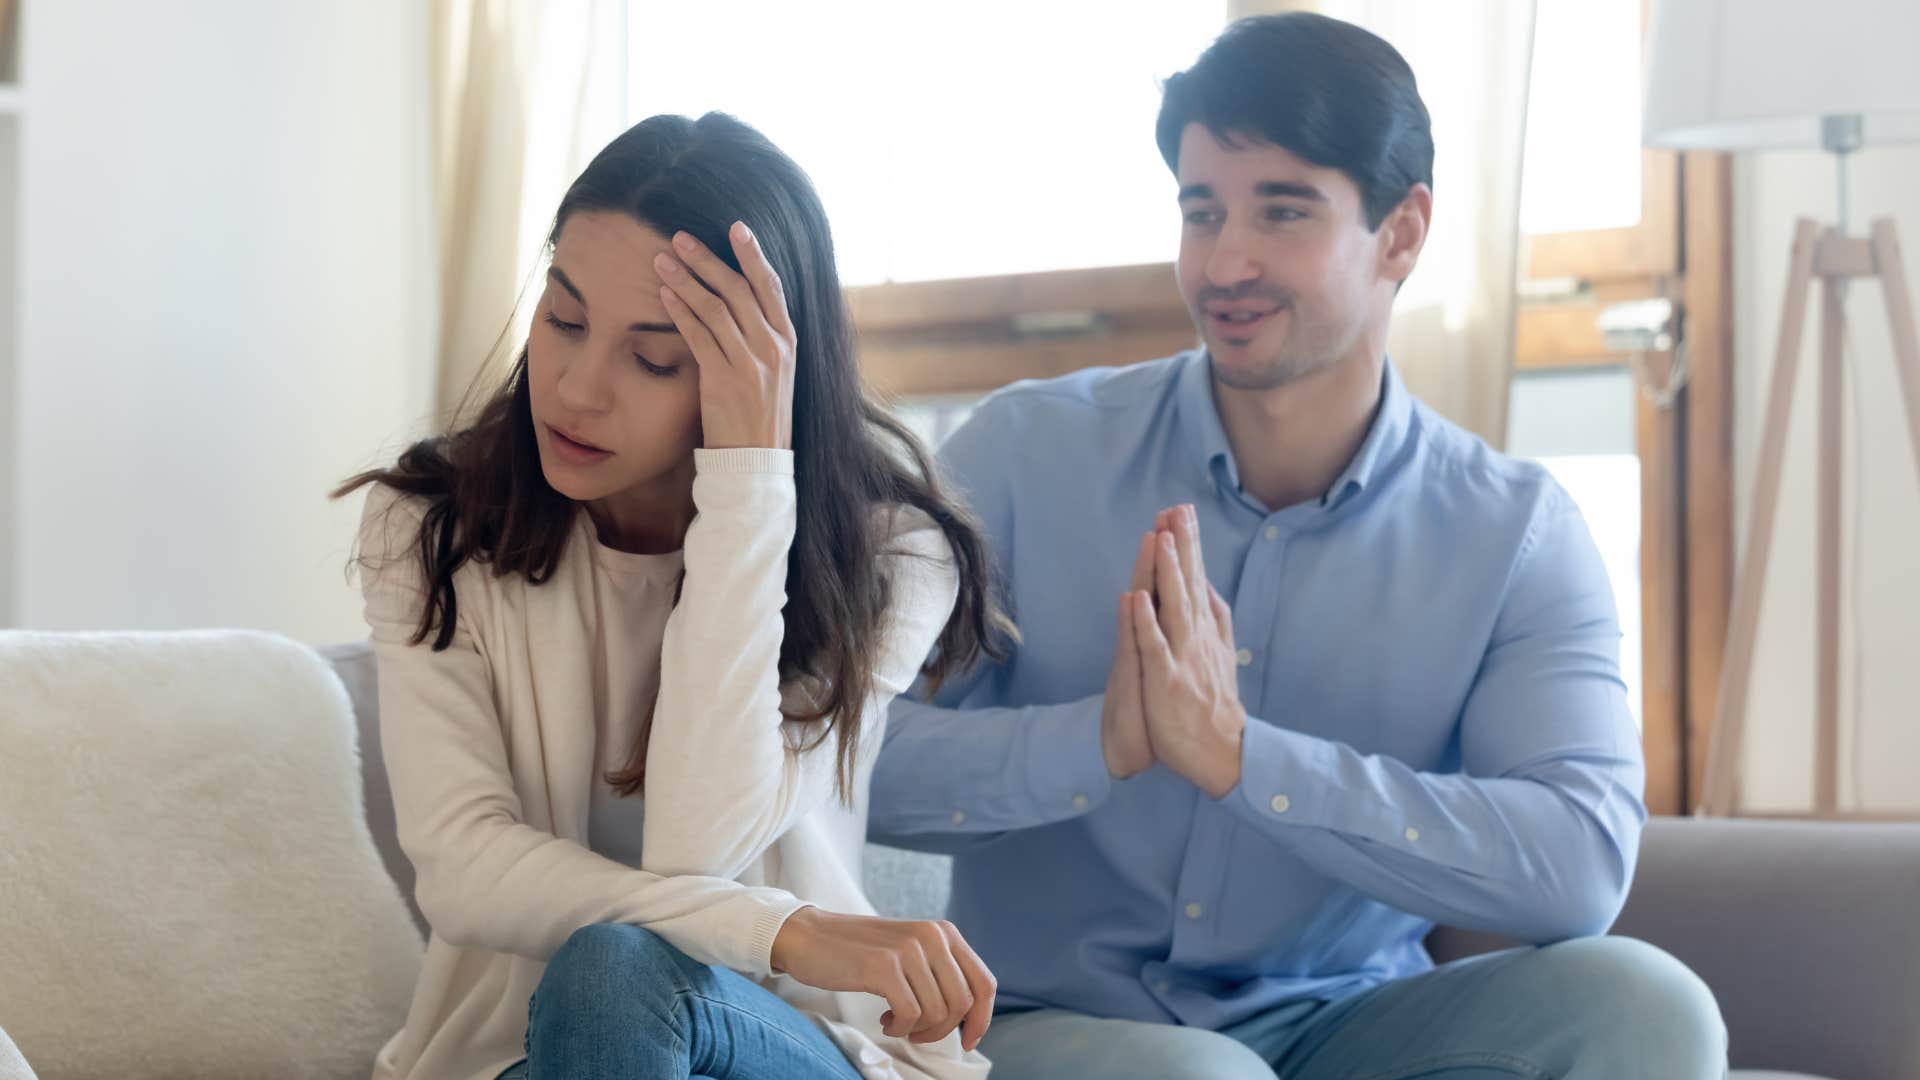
[(187, 884)]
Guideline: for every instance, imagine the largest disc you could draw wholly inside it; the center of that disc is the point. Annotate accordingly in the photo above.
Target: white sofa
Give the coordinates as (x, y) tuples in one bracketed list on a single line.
[(1808, 934)]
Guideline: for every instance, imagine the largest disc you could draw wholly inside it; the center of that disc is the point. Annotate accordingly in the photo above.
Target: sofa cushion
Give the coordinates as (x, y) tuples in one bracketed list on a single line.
[(187, 883)]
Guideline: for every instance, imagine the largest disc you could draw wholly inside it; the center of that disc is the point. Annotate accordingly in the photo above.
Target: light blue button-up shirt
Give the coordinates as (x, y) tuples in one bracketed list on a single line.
[(1429, 660)]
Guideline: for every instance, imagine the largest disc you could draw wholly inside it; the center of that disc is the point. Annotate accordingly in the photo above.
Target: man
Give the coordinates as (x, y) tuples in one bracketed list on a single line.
[(1363, 676)]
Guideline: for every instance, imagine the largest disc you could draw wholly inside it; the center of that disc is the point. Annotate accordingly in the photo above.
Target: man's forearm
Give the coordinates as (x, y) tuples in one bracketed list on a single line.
[(977, 773)]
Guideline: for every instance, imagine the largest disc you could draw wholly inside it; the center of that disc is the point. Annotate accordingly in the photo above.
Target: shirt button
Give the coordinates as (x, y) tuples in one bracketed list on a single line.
[(1273, 532), (1079, 802), (1412, 834), (1162, 985), (1193, 911), (959, 817), (1280, 804), (1245, 656)]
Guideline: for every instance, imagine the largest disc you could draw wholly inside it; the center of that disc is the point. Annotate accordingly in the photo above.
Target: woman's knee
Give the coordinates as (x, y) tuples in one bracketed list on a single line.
[(613, 957)]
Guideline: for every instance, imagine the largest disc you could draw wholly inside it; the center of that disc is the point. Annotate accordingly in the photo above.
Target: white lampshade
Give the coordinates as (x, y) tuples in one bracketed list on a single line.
[(1757, 74)]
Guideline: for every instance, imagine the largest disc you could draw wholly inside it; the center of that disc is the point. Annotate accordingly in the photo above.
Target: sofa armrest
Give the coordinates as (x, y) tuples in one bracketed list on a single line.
[(1808, 933), (13, 1066)]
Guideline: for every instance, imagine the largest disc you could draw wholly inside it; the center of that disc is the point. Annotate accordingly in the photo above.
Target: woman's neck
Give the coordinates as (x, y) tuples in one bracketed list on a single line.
[(648, 519)]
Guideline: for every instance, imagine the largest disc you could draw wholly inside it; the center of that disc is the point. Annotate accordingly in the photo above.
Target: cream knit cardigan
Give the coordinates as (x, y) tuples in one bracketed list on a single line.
[(490, 747)]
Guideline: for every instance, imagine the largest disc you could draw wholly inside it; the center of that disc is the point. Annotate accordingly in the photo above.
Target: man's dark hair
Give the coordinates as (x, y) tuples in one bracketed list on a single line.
[(1324, 90)]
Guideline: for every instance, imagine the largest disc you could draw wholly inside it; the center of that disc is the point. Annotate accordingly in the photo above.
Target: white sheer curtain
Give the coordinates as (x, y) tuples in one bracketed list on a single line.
[(1452, 334), (524, 93)]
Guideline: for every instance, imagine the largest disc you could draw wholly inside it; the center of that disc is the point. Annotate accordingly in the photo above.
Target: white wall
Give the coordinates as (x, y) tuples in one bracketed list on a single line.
[(1770, 191), (227, 296)]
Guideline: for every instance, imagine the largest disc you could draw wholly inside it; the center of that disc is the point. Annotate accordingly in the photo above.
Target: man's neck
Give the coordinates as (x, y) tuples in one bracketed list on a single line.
[(1291, 442)]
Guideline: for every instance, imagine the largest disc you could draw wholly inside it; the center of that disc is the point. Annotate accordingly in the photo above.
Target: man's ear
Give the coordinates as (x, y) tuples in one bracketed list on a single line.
[(1404, 232)]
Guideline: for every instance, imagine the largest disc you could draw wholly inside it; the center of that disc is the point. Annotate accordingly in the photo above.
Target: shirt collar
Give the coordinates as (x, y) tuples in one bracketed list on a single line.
[(1207, 437)]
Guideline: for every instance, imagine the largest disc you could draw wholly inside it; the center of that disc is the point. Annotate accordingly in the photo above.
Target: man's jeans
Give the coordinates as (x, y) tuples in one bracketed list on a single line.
[(1590, 1009)]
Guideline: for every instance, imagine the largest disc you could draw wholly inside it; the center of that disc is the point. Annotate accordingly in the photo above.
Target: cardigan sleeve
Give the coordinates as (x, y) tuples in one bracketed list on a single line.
[(725, 778)]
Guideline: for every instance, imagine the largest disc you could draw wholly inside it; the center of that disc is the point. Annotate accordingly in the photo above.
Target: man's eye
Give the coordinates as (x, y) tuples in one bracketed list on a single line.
[(1201, 217)]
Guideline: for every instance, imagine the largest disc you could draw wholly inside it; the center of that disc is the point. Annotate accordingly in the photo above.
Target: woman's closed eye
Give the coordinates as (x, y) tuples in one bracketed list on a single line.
[(567, 328), (657, 370)]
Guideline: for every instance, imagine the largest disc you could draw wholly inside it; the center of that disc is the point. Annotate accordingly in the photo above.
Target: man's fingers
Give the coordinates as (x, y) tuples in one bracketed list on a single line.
[(1169, 584), (1222, 614), (1192, 564), (1155, 659), (1142, 580)]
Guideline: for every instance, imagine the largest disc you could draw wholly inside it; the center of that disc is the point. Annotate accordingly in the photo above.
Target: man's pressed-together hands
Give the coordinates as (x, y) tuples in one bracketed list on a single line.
[(1173, 695)]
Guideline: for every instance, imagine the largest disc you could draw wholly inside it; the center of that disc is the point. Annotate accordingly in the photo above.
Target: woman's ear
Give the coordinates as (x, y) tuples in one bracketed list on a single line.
[(1404, 232)]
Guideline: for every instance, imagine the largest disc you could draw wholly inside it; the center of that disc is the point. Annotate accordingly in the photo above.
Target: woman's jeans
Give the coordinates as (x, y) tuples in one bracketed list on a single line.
[(618, 1001)]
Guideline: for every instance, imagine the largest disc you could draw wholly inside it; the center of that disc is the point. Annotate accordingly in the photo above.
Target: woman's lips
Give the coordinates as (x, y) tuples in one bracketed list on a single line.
[(573, 449)]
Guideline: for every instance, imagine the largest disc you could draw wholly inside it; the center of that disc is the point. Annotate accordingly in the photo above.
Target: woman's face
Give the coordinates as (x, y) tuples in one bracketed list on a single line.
[(615, 390)]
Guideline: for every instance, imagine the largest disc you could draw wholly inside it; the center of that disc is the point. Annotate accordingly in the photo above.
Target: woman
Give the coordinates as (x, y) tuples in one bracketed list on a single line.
[(621, 771)]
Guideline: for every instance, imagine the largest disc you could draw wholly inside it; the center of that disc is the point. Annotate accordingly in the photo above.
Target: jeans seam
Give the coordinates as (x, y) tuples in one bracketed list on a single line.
[(1485, 1058), (784, 1034)]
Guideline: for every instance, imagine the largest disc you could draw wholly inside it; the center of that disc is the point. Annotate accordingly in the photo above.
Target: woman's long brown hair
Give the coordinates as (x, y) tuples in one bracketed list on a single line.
[(487, 501)]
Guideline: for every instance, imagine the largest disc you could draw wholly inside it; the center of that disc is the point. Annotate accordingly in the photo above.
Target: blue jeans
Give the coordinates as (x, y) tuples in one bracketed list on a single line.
[(618, 1001), (1591, 1009)]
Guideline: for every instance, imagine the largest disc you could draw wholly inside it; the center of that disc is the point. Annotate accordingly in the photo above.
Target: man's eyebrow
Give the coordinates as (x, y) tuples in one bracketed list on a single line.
[(1289, 188), (560, 277), (1196, 191)]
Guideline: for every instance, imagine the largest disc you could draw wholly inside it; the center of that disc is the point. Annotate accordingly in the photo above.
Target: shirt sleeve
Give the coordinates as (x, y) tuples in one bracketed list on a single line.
[(485, 879), (1535, 838), (958, 768), (724, 776)]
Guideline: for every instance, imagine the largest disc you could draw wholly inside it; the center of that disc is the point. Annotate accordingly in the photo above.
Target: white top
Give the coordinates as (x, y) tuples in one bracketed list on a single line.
[(496, 748)]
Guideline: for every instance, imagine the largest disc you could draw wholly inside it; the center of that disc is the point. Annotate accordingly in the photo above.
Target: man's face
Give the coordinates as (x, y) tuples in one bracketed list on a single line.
[(1277, 265)]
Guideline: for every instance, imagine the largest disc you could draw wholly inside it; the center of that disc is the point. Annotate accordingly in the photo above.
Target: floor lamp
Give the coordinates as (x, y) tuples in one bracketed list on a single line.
[(1772, 74)]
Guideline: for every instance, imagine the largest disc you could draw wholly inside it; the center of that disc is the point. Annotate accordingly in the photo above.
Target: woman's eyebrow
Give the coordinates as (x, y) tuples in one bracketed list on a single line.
[(560, 278)]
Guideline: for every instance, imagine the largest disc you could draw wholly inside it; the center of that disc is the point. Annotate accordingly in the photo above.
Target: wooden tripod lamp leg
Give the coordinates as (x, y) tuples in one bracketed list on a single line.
[(1906, 340), (1827, 481), (1719, 793)]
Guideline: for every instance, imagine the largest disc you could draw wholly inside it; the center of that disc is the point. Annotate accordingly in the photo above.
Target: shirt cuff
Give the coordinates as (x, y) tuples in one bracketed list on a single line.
[(743, 460), (1065, 763), (1289, 780)]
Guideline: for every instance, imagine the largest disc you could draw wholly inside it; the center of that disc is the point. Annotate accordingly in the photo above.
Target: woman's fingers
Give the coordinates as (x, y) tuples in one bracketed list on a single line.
[(768, 290), (983, 986), (955, 992), (713, 312), (706, 351), (926, 989), (726, 284), (903, 1005)]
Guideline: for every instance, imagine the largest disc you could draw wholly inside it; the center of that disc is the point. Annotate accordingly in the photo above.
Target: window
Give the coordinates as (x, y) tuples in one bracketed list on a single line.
[(1017, 138)]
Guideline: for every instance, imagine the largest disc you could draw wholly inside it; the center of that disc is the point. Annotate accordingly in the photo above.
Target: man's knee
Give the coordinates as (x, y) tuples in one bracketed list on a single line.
[(1639, 1001), (1049, 1044)]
